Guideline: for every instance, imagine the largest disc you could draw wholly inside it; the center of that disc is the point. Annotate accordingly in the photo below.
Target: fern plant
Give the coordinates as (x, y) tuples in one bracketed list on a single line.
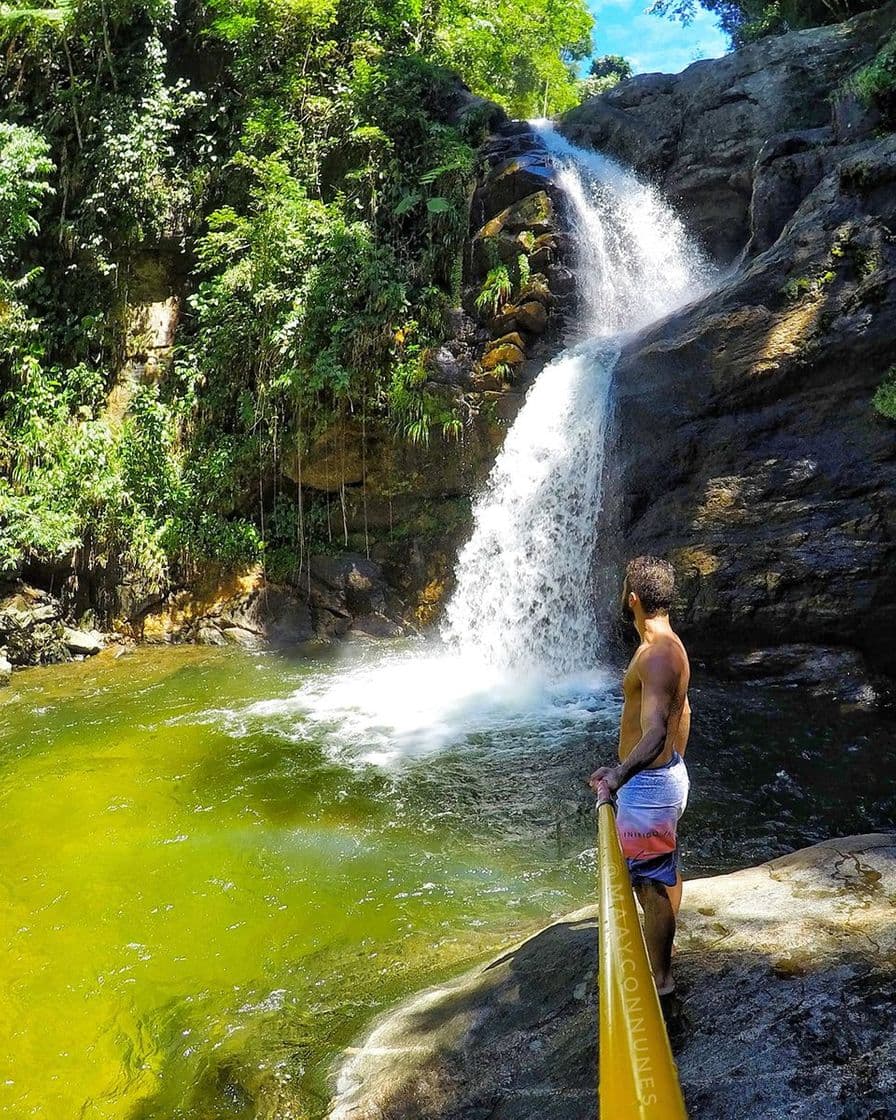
[(496, 290)]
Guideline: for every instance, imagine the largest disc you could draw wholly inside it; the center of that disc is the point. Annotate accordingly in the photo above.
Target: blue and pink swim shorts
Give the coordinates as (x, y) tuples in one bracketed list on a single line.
[(647, 810)]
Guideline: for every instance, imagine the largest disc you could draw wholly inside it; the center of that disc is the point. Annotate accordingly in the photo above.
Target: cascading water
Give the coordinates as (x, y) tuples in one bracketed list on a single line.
[(523, 598), (519, 659)]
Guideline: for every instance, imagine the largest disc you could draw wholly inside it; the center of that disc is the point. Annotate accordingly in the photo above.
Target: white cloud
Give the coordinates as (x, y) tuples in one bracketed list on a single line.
[(654, 43)]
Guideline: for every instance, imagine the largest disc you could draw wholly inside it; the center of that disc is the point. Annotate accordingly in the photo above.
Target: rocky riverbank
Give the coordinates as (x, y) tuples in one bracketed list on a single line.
[(786, 994), (335, 596)]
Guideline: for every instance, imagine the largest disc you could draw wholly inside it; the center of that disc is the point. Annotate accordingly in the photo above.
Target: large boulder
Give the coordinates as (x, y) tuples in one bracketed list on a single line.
[(332, 595), (32, 631), (787, 984), (747, 447), (699, 133)]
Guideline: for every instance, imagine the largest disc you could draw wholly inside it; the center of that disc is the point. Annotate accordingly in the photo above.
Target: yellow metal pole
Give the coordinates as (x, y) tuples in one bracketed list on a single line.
[(638, 1078)]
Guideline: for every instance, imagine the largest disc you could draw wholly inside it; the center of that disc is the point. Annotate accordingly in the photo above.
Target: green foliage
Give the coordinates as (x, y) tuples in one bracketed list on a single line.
[(496, 289), (745, 21), (606, 72), (884, 399), (25, 167), (415, 408), (875, 83), (520, 53), (290, 168), (801, 286)]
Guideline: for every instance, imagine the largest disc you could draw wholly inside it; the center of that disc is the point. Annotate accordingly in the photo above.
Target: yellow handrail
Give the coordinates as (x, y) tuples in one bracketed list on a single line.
[(638, 1078)]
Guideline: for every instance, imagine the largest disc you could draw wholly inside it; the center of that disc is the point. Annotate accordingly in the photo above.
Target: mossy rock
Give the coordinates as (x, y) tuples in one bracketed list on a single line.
[(536, 288), (532, 316), (504, 354), (535, 214)]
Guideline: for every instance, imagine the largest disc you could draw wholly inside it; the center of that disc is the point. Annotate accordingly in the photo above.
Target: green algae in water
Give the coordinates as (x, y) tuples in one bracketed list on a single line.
[(208, 893), (198, 920)]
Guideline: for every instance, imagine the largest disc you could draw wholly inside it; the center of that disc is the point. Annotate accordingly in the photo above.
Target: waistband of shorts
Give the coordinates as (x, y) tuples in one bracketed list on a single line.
[(673, 761)]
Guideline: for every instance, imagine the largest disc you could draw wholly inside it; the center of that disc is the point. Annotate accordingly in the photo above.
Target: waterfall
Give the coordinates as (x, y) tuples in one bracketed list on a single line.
[(520, 659), (524, 598)]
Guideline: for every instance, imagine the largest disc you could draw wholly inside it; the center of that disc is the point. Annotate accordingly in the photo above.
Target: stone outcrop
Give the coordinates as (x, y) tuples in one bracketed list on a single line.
[(335, 595), (339, 594), (35, 630), (748, 449), (786, 986), (407, 503), (517, 221), (699, 134)]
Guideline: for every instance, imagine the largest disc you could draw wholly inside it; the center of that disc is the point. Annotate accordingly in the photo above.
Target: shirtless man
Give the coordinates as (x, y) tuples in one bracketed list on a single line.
[(651, 780)]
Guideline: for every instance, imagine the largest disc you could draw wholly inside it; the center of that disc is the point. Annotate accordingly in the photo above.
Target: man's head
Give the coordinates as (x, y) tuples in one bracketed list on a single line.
[(648, 589)]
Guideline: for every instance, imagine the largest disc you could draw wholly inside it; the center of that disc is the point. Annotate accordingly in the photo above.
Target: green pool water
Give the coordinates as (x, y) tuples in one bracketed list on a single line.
[(218, 866)]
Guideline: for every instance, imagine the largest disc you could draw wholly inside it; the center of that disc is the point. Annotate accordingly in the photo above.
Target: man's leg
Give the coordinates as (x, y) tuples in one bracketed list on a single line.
[(659, 929), (675, 894)]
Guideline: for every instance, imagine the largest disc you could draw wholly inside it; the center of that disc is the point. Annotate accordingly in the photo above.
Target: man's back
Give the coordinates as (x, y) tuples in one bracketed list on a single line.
[(661, 662)]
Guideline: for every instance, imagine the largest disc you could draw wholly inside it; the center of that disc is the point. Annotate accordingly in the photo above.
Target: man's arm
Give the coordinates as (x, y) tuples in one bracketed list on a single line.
[(684, 728), (659, 681)]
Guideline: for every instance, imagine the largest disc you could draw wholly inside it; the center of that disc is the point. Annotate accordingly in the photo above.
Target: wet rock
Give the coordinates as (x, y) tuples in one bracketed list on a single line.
[(518, 177), (698, 133), (504, 352), (334, 460), (83, 643), (536, 288), (448, 368), (534, 214), (376, 626), (237, 636), (748, 450), (208, 635), (532, 316), (561, 281), (358, 579), (272, 614), (841, 673), (5, 668), (504, 322), (31, 627), (853, 120), (786, 986), (788, 168)]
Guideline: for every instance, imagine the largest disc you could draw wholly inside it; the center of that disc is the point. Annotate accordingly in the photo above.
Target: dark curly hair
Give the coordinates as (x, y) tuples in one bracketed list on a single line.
[(653, 581)]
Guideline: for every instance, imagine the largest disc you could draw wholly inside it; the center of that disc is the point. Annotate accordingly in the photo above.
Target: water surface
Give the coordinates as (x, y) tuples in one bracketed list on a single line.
[(217, 866)]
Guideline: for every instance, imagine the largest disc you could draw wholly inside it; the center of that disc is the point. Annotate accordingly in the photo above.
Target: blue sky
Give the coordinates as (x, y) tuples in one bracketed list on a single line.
[(654, 42)]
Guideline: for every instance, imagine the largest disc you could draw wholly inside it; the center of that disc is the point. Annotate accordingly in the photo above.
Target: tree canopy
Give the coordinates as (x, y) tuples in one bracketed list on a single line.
[(291, 168)]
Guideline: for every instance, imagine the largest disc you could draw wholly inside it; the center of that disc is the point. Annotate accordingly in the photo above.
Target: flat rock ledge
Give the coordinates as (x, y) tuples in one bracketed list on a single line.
[(786, 1007)]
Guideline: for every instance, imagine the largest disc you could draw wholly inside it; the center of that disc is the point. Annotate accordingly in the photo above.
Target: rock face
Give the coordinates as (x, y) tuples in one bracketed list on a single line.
[(35, 630), (518, 222), (748, 450), (407, 503), (698, 134), (786, 993), (339, 594)]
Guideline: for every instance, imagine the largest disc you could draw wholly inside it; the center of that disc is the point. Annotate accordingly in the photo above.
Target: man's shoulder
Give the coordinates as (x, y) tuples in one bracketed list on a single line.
[(666, 657)]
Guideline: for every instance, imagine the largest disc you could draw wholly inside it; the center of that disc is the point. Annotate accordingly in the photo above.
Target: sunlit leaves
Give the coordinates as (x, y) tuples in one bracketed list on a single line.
[(25, 168)]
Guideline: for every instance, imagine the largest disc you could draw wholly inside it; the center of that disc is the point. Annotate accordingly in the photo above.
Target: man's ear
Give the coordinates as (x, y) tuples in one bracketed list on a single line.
[(632, 598)]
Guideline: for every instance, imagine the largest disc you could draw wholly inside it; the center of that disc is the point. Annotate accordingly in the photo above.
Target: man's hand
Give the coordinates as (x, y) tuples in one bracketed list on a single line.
[(608, 774)]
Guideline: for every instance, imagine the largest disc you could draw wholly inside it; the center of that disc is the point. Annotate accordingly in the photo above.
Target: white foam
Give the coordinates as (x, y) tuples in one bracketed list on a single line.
[(396, 704)]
